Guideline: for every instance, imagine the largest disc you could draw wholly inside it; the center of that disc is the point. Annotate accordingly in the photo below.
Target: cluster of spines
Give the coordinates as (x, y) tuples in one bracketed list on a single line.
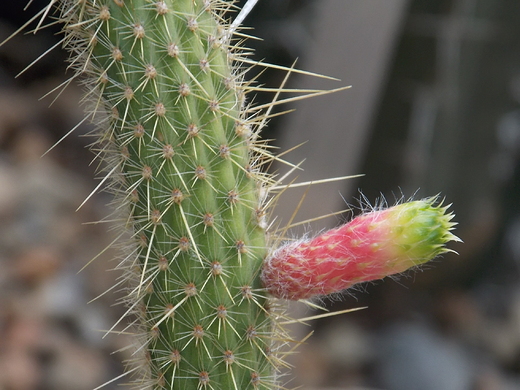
[(170, 106)]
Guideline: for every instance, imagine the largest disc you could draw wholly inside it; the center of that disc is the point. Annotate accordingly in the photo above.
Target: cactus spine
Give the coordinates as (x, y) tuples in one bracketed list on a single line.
[(182, 157)]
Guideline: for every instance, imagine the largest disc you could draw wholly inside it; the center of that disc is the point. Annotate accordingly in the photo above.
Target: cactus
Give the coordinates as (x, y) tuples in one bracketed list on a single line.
[(184, 161)]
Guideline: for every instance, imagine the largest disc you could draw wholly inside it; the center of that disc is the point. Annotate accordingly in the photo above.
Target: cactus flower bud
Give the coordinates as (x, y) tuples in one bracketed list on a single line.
[(370, 247)]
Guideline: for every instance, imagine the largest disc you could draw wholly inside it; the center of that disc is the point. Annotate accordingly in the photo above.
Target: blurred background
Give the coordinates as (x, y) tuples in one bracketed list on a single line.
[(434, 108)]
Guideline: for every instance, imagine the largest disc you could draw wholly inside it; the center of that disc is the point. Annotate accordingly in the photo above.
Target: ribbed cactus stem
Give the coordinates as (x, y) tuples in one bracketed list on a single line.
[(370, 247), (170, 108)]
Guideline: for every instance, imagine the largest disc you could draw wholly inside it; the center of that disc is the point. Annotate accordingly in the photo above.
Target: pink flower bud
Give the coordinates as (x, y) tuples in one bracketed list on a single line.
[(370, 247)]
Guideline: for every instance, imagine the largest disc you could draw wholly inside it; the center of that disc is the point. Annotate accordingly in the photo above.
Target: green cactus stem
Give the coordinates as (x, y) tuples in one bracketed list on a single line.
[(170, 107)]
